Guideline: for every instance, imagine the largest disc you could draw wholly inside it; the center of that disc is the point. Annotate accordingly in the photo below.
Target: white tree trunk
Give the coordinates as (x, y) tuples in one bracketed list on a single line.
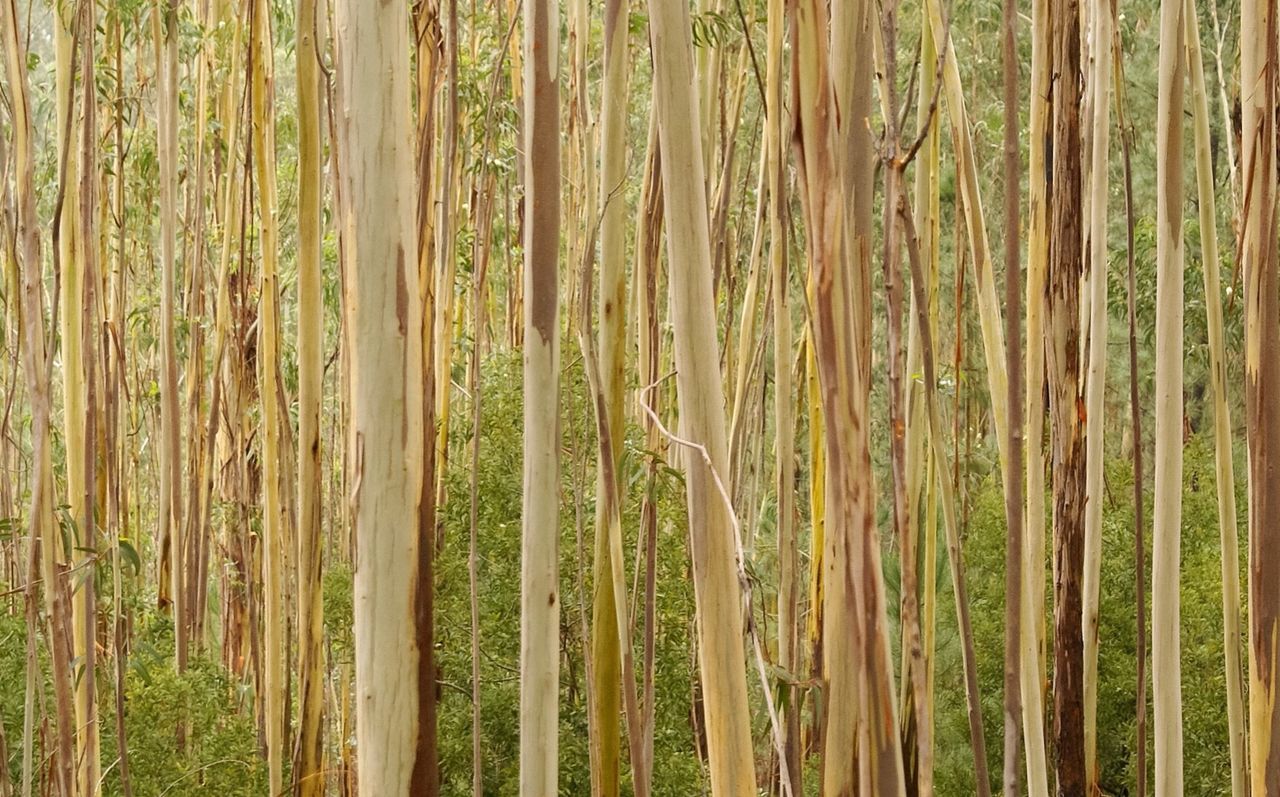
[(539, 572), (386, 383)]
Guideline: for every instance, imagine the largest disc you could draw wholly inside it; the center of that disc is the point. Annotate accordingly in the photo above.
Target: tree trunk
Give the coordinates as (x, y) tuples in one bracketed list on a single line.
[(89, 765), (45, 536), (1062, 345), (1259, 90), (307, 772), (539, 578), (712, 526), (1166, 669), (606, 638), (1033, 578), (1096, 380), (383, 318), (1224, 467), (275, 641), (1013, 484), (173, 553), (860, 735), (789, 655)]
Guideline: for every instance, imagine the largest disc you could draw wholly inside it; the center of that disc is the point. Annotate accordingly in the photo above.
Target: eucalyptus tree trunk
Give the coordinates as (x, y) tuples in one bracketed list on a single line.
[(993, 343), (1259, 94), (1033, 578), (85, 609), (1166, 668), (1135, 416), (1062, 346), (789, 655), (539, 576), (650, 361), (948, 490), (113, 378), (275, 641), (1224, 466), (35, 365), (442, 310), (1096, 381), (1013, 485), (430, 57), (712, 525), (172, 566), (307, 771), (606, 639), (921, 487), (915, 731), (221, 370), (860, 735), (197, 509), (383, 318), (70, 33), (817, 517)]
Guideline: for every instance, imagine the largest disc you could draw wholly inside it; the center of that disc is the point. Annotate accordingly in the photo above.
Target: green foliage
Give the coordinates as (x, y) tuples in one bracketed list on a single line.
[(677, 771), (13, 684), (1206, 761), (220, 755)]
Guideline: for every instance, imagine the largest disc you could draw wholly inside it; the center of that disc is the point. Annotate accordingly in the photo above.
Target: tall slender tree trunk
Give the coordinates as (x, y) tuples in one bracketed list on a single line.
[(383, 314), (165, 28), (606, 638), (1033, 578), (428, 40), (861, 742), (1224, 466), (1062, 346), (1166, 668), (539, 576), (114, 379), (1096, 380), (88, 765), (275, 641), (1135, 416), (649, 361), (194, 520), (1259, 94), (442, 310), (712, 526), (307, 772), (45, 536), (70, 33), (919, 463), (789, 655), (1013, 492)]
